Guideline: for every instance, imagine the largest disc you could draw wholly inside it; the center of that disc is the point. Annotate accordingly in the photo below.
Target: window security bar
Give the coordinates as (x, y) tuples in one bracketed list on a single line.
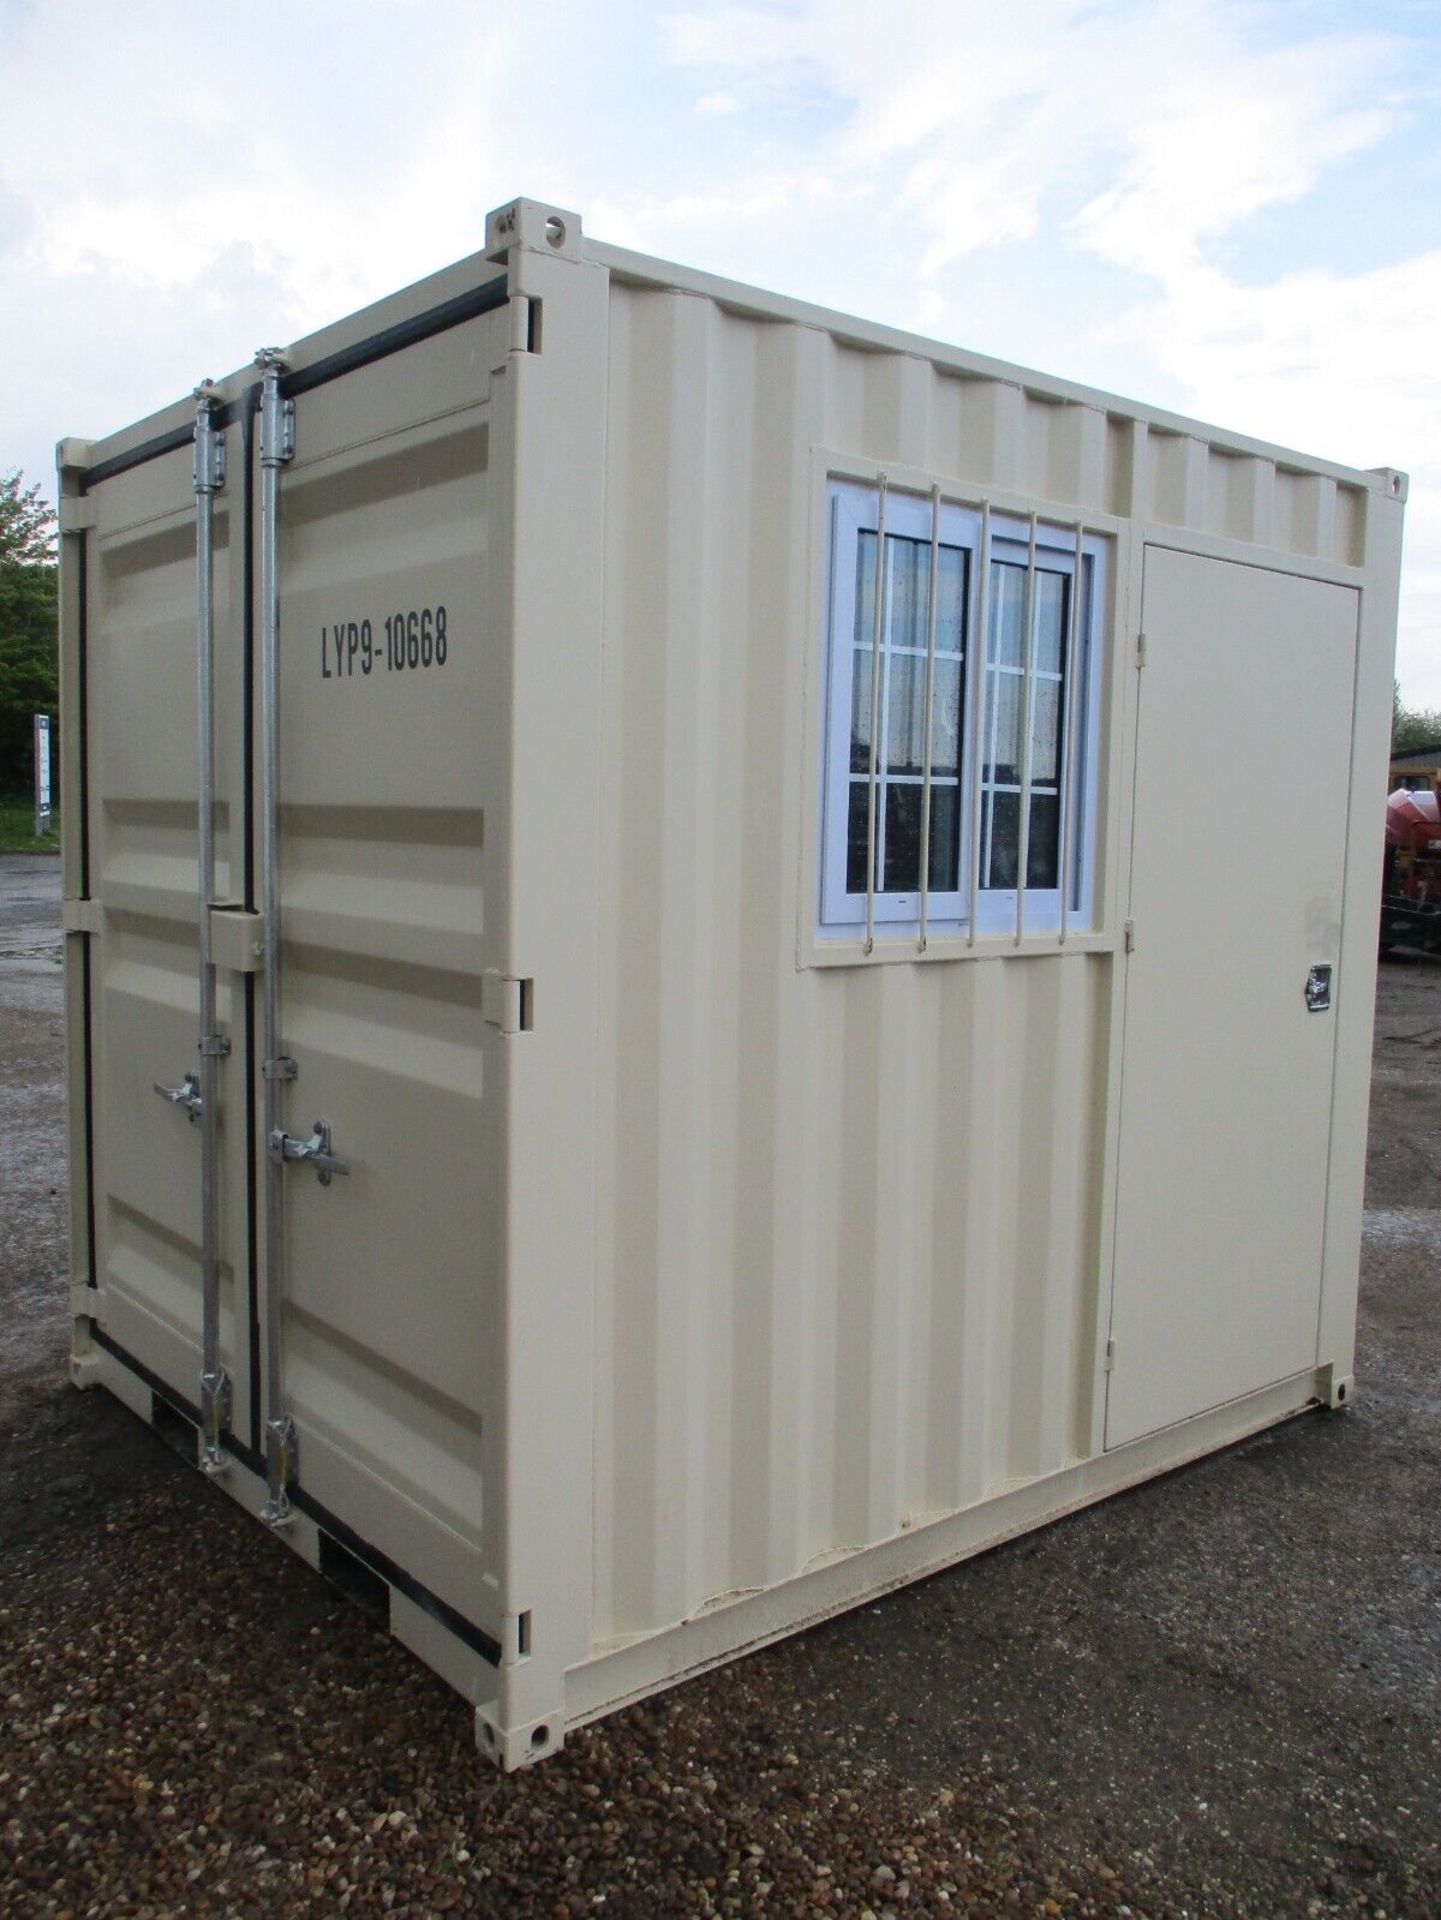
[(929, 706), (878, 630), (975, 696), (1023, 852), (1068, 659)]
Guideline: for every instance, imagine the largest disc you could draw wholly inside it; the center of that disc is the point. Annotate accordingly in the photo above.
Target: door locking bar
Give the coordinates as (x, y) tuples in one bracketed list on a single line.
[(208, 472), (315, 1152), (277, 446), (282, 1444)]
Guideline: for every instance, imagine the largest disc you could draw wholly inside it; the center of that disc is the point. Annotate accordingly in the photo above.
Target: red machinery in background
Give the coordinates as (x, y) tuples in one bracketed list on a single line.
[(1411, 889)]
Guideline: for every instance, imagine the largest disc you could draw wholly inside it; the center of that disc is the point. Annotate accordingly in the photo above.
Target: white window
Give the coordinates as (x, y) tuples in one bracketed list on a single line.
[(922, 825)]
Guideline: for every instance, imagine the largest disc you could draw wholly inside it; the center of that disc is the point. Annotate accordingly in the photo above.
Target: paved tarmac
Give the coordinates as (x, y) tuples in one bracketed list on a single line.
[(33, 1251)]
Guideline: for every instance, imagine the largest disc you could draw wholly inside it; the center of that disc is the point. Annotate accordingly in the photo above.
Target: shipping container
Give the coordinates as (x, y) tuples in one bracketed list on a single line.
[(689, 994)]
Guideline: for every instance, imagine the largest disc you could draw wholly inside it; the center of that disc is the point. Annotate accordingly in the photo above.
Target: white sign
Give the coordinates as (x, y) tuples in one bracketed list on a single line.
[(42, 773)]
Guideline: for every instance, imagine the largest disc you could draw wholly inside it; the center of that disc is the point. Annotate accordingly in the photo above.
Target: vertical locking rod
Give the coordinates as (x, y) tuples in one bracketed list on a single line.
[(277, 445), (209, 477)]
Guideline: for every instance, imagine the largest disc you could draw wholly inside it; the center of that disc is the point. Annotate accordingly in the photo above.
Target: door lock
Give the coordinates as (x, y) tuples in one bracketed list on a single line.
[(1318, 990), (315, 1152), (186, 1095)]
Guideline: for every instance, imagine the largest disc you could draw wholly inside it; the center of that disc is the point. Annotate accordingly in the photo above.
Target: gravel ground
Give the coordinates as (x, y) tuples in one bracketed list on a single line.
[(1219, 1695)]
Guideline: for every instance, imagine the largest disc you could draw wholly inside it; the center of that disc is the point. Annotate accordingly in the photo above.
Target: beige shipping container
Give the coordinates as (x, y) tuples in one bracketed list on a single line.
[(624, 1107)]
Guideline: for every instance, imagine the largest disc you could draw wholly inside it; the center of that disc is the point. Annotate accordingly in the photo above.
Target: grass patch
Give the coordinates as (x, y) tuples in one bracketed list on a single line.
[(17, 829)]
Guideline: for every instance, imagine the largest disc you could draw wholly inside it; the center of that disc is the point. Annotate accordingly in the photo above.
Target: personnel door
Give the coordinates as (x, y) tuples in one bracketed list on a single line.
[(1242, 779)]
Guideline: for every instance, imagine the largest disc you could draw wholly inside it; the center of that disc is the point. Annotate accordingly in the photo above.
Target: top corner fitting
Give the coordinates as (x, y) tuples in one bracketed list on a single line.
[(535, 228)]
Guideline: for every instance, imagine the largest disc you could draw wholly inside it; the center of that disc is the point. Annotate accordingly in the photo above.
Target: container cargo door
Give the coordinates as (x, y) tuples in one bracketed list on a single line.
[(142, 855), (383, 1305), (1242, 777)]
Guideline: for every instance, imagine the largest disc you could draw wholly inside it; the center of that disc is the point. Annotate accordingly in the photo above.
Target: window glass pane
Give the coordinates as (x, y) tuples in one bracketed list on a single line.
[(910, 584), (856, 837), (906, 733), (1042, 850), (910, 590), (1045, 731), (1008, 614), (865, 588), (945, 862), (1003, 747), (1005, 841), (903, 839), (1051, 594), (861, 710), (946, 717), (950, 599), (901, 803)]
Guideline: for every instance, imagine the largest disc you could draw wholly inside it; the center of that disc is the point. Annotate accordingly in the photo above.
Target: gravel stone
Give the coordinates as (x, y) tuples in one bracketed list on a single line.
[(1218, 1696)]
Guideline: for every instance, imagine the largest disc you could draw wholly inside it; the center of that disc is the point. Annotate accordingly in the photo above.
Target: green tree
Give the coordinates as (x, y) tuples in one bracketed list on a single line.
[(29, 652), (1412, 726)]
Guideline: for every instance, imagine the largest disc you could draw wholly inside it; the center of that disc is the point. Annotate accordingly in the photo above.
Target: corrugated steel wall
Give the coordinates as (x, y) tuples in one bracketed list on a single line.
[(848, 1219)]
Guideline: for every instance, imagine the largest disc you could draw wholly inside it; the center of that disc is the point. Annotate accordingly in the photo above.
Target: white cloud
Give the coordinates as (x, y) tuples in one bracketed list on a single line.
[(1143, 136), (206, 196), (1343, 365), (1062, 182), (1199, 122)]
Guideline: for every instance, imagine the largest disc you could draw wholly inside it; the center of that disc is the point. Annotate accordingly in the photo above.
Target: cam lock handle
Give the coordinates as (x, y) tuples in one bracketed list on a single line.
[(186, 1095), (315, 1151)]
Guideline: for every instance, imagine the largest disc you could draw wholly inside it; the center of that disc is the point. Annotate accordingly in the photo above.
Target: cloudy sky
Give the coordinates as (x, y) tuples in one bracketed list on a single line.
[(1229, 207)]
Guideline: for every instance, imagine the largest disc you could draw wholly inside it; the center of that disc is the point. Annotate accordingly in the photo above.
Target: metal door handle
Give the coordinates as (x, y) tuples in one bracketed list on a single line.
[(186, 1095), (315, 1152)]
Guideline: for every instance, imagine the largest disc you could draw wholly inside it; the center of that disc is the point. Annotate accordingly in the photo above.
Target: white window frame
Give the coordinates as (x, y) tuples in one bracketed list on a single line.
[(987, 537)]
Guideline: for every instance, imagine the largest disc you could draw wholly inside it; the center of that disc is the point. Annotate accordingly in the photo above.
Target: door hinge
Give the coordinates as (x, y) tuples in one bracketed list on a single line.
[(80, 916), (79, 513), (506, 1002), (1110, 1360), (277, 414), (207, 460), (1128, 936), (237, 939), (1140, 649)]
